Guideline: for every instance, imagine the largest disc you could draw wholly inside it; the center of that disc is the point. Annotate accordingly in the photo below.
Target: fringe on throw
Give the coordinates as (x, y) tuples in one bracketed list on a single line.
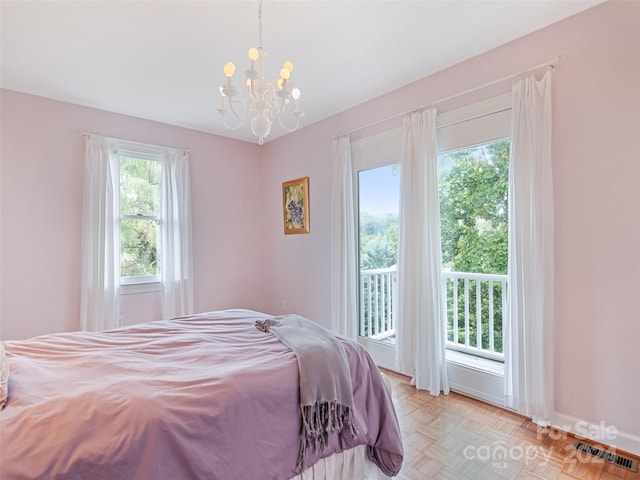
[(318, 421)]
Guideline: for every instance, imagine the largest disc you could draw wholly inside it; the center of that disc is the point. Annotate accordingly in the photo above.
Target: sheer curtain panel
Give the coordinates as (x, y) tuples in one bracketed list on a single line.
[(344, 261), (176, 244), (528, 332), (420, 331), (99, 303)]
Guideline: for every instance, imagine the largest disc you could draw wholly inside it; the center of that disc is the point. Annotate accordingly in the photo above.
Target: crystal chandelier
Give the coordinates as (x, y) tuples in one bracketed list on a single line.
[(263, 101)]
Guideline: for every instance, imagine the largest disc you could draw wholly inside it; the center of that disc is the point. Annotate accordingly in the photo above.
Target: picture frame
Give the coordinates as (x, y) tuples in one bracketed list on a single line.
[(295, 206)]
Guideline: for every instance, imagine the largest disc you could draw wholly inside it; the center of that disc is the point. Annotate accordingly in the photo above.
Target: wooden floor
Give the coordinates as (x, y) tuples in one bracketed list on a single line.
[(454, 437)]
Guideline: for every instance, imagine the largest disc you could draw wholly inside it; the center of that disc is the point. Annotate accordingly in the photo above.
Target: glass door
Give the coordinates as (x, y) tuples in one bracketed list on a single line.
[(378, 212)]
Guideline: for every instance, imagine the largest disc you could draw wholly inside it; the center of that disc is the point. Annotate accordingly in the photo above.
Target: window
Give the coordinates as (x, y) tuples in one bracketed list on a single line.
[(377, 173), (473, 185), (136, 229), (473, 175), (378, 212), (473, 162), (140, 189), (473, 151)]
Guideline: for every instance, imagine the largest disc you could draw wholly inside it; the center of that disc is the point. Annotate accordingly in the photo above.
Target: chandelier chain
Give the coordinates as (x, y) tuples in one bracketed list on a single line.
[(260, 24)]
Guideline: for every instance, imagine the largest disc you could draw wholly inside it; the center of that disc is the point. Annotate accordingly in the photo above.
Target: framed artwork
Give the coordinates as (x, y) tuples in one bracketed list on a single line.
[(295, 205)]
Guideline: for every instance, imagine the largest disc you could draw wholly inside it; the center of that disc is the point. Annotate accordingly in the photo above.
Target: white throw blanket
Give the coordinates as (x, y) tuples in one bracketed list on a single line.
[(326, 393)]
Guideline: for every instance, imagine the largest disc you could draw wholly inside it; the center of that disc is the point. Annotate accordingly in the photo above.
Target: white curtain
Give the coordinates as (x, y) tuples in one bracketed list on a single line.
[(100, 297), (176, 244), (528, 336), (420, 330), (344, 262)]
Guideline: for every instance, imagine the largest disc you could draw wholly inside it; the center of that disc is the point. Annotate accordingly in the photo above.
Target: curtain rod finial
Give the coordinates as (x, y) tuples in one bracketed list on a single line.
[(558, 60)]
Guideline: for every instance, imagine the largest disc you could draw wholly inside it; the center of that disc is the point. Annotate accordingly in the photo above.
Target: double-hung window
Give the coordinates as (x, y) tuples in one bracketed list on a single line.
[(140, 174), (136, 229)]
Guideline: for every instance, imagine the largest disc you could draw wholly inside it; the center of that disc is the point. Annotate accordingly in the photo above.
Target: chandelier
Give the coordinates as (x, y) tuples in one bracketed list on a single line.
[(262, 100)]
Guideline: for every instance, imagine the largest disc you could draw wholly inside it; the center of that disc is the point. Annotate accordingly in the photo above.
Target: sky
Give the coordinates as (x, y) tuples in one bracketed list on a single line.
[(379, 190)]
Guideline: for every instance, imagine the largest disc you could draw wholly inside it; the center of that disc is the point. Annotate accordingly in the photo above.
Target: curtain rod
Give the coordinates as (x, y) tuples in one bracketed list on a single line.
[(550, 64), (141, 144)]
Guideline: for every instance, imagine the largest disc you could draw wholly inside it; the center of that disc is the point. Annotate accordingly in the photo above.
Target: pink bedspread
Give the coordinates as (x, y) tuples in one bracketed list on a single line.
[(207, 396)]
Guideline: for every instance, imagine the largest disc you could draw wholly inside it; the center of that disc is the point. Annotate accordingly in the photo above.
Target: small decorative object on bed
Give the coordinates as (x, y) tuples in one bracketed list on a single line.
[(295, 205), (205, 396)]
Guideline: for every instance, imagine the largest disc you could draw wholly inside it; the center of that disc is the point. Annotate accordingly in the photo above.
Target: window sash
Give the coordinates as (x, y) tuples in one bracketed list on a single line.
[(145, 283)]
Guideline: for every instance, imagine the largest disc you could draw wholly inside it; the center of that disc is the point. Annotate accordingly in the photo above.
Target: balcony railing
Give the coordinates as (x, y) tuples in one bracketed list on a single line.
[(378, 294), (476, 304)]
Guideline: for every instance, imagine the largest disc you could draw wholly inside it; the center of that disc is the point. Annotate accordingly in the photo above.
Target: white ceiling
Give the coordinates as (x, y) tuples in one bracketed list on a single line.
[(162, 60)]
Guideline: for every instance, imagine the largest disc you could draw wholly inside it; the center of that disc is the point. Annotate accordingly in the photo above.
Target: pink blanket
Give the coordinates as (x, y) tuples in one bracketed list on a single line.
[(207, 396)]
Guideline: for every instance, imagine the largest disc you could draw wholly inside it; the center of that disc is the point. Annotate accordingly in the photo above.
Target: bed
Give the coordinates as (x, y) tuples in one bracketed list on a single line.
[(206, 396)]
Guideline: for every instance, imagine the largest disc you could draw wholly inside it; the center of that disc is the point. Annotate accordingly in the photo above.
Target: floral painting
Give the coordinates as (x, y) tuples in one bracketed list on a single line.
[(295, 200)]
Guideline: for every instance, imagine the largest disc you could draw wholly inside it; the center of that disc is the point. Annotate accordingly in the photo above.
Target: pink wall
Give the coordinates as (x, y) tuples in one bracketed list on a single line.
[(41, 203), (596, 100)]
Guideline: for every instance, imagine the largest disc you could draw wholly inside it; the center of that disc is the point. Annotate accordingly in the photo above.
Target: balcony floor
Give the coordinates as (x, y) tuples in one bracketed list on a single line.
[(461, 358)]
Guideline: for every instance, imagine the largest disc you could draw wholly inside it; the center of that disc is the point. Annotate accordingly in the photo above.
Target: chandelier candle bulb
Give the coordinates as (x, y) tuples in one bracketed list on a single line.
[(229, 69), (253, 56)]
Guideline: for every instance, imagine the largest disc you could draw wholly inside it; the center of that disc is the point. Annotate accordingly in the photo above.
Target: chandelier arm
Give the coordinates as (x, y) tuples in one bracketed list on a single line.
[(231, 127), (235, 114), (233, 110), (282, 103), (276, 105), (293, 129)]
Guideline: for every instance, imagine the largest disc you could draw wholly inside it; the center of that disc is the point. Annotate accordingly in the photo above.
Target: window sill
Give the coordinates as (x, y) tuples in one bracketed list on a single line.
[(145, 287), (476, 363)]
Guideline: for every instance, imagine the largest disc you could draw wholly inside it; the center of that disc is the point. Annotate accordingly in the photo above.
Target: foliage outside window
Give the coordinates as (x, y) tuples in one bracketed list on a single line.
[(473, 209), (379, 230), (140, 180), (473, 185)]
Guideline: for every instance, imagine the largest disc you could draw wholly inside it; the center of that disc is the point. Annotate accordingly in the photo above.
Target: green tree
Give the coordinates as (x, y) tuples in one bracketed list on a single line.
[(378, 240), (139, 198), (473, 187), (473, 208)]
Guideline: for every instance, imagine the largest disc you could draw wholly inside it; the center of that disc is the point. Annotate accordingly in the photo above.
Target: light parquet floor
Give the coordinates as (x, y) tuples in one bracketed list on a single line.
[(454, 437)]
